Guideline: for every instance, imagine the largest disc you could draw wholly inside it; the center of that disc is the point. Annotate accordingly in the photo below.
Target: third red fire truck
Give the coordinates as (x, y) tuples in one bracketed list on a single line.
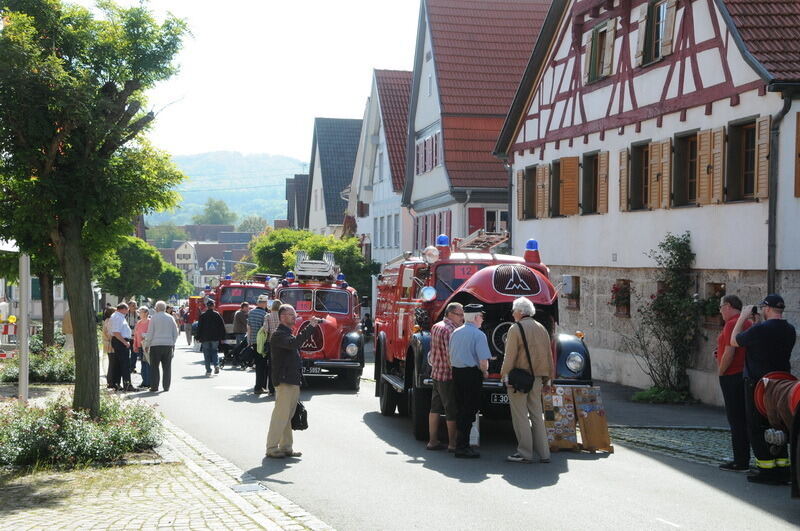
[(413, 292)]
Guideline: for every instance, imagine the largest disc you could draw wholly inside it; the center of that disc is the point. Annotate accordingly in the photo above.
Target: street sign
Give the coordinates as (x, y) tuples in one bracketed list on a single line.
[(212, 265)]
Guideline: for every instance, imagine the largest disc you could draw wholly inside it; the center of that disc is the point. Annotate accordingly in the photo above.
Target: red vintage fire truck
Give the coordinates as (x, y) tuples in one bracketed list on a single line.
[(413, 292), (229, 294), (316, 288)]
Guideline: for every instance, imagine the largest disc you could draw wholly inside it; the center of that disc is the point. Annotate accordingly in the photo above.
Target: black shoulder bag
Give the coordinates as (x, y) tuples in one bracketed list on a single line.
[(520, 379), (300, 417)]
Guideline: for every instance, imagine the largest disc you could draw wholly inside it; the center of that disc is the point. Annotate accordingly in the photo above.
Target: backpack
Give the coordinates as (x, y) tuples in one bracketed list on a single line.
[(261, 341)]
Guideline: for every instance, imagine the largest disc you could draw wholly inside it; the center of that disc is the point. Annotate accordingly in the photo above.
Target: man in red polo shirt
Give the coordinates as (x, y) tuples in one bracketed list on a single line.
[(731, 365)]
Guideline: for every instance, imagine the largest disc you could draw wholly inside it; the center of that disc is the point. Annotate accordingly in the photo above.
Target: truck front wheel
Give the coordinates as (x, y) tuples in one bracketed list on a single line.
[(388, 399)]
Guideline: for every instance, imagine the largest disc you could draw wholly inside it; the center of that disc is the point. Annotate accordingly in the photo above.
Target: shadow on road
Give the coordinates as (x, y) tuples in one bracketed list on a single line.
[(497, 441)]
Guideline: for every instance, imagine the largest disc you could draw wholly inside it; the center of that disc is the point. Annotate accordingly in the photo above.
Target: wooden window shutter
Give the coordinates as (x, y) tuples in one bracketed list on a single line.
[(520, 194), (666, 173), (545, 191), (539, 195), (762, 157), (797, 156), (608, 53), (704, 167), (718, 163), (654, 176), (624, 176), (602, 182), (669, 28), (568, 204), (419, 158), (641, 34), (448, 217), (428, 154)]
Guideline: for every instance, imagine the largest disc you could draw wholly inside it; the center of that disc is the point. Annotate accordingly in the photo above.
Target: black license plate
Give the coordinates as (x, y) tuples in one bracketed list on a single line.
[(498, 398), (312, 370)]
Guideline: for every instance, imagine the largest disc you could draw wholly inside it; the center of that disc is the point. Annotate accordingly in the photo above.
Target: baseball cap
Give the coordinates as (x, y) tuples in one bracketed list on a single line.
[(773, 300), (263, 298), (473, 308)]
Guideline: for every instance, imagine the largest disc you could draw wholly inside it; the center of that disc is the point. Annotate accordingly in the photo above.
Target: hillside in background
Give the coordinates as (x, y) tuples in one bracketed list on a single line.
[(250, 184)]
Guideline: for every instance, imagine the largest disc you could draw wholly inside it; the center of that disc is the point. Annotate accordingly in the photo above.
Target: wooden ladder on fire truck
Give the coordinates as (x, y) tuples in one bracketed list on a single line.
[(480, 240)]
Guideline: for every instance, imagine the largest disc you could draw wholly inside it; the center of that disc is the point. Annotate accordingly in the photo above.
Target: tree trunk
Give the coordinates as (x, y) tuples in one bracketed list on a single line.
[(78, 283), (48, 308)]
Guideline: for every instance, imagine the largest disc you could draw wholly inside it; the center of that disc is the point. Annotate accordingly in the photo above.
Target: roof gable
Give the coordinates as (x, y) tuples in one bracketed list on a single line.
[(337, 142), (770, 32), (394, 90)]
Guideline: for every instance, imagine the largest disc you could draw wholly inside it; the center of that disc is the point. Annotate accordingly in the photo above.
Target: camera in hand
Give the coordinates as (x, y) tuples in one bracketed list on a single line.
[(755, 310)]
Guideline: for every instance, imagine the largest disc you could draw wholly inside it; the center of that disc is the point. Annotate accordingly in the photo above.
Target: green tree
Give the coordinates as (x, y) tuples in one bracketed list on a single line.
[(163, 235), (255, 224), (135, 269), (170, 282), (267, 249), (347, 253), (215, 212), (74, 161)]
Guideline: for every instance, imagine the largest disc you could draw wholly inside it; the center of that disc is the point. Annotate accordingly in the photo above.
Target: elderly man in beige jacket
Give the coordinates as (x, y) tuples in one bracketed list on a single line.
[(526, 408)]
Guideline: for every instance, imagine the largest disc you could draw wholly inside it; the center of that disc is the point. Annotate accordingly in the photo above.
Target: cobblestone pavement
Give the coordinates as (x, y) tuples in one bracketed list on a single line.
[(191, 488), (709, 446)]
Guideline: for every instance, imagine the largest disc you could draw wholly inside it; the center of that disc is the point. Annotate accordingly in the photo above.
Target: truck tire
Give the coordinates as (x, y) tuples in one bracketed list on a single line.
[(388, 398), (351, 379), (420, 401)]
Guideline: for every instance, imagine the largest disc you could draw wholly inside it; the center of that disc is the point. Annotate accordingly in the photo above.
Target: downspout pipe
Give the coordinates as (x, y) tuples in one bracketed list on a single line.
[(772, 189), (511, 213)]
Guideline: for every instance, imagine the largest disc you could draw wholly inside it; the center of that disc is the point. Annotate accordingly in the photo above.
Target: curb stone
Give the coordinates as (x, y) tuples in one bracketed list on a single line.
[(264, 506)]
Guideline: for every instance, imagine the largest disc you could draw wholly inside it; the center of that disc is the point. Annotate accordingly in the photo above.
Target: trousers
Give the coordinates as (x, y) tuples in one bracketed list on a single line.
[(756, 426), (732, 386), (279, 435), (528, 420), (123, 355), (468, 382), (160, 361)]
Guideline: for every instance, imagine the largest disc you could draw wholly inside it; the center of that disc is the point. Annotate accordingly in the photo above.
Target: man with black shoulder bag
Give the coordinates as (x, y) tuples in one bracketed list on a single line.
[(527, 368)]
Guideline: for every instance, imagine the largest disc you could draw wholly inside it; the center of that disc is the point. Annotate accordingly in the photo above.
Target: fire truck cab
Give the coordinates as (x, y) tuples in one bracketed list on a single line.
[(229, 295), (316, 288), (413, 292)]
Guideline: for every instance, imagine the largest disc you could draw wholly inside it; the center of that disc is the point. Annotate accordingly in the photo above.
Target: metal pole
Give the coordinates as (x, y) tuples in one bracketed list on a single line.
[(24, 323)]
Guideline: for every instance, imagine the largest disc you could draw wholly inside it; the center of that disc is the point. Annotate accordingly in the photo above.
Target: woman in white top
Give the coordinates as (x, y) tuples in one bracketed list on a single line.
[(160, 340)]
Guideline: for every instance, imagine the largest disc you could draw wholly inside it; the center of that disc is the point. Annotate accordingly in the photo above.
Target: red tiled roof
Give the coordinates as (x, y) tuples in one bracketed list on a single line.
[(480, 49), (771, 31), (394, 90)]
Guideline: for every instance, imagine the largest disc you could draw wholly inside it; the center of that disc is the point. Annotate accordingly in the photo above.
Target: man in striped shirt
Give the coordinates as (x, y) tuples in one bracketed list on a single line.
[(255, 320), (443, 398)]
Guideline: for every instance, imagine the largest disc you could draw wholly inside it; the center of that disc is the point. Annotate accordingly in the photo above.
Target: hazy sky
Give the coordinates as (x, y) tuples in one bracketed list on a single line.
[(255, 73)]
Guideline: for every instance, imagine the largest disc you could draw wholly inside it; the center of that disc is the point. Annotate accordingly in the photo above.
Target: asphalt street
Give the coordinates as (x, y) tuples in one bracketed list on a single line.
[(360, 470)]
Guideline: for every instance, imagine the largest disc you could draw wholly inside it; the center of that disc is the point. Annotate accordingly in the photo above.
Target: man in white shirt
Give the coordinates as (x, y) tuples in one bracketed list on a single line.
[(4, 309), (121, 343)]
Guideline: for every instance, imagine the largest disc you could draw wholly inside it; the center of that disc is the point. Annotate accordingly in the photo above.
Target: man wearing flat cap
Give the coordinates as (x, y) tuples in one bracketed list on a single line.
[(769, 346), (469, 357)]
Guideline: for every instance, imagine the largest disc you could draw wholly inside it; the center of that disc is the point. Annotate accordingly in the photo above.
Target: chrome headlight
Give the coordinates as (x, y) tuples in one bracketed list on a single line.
[(351, 349), (430, 254), (428, 293), (575, 362)]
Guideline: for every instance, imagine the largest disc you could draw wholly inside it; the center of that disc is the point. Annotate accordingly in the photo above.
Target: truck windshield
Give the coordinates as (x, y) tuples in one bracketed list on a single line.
[(300, 299), (235, 295), (449, 277), (332, 301)]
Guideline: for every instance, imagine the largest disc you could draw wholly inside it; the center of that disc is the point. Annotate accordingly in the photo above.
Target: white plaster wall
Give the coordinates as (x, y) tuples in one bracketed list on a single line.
[(316, 214), (428, 108), (788, 237), (593, 240)]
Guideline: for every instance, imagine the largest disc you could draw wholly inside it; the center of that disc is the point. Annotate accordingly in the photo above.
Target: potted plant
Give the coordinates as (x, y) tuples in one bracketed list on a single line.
[(621, 298), (710, 310)]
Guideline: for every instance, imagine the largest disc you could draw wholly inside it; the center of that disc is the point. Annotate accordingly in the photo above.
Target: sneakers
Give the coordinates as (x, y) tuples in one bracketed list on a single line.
[(208, 372), (517, 458), (277, 454), (734, 467), (292, 453), (216, 369), (467, 453), (258, 391)]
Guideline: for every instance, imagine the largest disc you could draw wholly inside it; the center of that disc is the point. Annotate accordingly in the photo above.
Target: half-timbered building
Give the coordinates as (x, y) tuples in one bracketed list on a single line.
[(384, 226), (469, 57), (638, 118)]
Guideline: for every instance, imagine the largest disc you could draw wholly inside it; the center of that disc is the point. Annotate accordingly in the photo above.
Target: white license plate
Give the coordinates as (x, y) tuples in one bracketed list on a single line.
[(498, 398), (229, 342), (312, 370)]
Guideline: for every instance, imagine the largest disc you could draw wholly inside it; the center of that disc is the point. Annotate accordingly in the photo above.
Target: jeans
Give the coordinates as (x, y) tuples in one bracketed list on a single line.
[(209, 349), (263, 379), (239, 338)]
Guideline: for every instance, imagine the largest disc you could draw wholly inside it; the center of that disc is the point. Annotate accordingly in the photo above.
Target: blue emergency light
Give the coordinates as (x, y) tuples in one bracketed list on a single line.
[(289, 275), (228, 277), (340, 277), (442, 241), (532, 245)]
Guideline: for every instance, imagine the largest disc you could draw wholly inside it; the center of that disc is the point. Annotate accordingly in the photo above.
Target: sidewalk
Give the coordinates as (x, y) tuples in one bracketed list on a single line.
[(693, 432), (190, 487)]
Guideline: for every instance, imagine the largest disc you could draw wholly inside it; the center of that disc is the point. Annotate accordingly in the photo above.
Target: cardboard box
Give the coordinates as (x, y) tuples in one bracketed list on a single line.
[(592, 419)]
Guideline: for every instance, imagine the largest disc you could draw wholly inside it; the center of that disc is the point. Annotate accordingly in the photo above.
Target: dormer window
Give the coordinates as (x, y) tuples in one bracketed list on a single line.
[(656, 28)]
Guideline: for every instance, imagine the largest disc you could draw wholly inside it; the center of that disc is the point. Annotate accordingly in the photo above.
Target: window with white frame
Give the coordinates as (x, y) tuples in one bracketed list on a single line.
[(375, 232), (397, 230), (383, 232), (389, 231)]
